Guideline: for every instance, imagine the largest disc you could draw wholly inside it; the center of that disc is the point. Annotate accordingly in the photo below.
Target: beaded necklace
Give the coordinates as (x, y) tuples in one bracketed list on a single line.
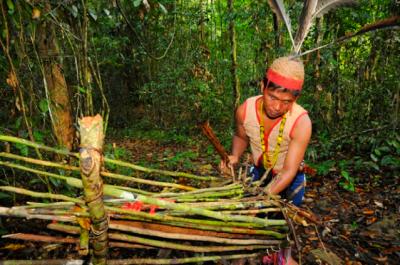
[(269, 162)]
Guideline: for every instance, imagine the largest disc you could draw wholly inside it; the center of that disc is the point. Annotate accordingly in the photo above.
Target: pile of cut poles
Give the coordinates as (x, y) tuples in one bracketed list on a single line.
[(222, 221)]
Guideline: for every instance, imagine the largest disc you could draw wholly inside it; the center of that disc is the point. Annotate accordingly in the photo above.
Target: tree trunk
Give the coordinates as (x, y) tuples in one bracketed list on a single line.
[(232, 38), (91, 131), (55, 84)]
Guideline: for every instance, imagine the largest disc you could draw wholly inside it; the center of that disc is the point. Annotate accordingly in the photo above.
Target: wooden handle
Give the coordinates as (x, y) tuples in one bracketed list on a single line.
[(209, 133)]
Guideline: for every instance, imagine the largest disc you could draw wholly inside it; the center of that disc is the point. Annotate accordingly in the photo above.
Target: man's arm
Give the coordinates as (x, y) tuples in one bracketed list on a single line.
[(240, 140), (301, 135)]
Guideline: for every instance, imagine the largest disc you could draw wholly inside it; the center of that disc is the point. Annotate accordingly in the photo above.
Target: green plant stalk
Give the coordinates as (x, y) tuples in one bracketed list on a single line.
[(159, 171), (18, 212), (198, 259), (148, 182), (179, 236), (83, 242), (183, 247), (41, 194), (253, 211), (207, 213), (166, 218), (106, 174), (13, 139), (231, 204), (198, 191), (75, 182), (113, 191), (70, 216), (209, 195)]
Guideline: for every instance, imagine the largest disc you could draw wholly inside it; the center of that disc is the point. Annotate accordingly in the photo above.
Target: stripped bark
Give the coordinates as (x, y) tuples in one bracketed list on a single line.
[(91, 130)]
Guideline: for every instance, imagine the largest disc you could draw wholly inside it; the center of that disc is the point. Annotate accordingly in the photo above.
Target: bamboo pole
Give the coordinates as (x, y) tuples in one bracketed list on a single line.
[(18, 212), (185, 247), (66, 216), (41, 194), (226, 218), (103, 173), (167, 218), (91, 158), (13, 139), (138, 261), (180, 236)]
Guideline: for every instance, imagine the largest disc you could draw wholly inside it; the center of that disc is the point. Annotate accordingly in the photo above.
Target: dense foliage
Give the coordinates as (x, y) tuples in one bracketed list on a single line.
[(165, 64)]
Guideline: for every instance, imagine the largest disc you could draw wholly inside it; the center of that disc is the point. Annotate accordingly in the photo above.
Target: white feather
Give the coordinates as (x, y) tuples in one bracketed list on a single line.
[(278, 8)]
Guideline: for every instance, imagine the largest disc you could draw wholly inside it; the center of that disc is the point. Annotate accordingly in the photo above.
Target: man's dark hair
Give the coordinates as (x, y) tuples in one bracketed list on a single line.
[(272, 87)]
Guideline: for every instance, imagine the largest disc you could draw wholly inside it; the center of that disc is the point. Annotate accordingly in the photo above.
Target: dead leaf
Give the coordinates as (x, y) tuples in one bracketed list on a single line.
[(327, 256), (35, 13), (368, 212), (371, 220), (13, 247), (381, 259), (12, 80)]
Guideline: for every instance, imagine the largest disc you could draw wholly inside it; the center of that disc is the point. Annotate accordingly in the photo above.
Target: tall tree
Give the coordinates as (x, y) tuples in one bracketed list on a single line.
[(232, 38), (55, 84)]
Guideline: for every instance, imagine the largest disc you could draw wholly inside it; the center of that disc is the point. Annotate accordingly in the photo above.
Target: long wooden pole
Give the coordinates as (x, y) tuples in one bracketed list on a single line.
[(91, 158)]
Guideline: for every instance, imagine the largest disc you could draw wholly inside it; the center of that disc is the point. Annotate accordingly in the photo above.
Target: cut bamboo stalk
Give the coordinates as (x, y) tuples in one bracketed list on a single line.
[(41, 194), (146, 181), (178, 230), (177, 207), (198, 191), (13, 139), (179, 236), (41, 238), (91, 157), (167, 218), (67, 240), (139, 261), (18, 212), (184, 247), (106, 174), (159, 171)]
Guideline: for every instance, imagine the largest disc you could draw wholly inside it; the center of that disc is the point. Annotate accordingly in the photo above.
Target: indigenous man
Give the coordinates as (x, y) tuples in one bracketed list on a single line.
[(277, 129)]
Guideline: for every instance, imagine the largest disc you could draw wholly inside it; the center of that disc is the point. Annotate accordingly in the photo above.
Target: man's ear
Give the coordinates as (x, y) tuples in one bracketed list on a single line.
[(261, 86)]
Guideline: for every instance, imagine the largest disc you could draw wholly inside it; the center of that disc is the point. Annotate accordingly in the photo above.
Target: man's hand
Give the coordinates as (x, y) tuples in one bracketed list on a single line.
[(227, 166)]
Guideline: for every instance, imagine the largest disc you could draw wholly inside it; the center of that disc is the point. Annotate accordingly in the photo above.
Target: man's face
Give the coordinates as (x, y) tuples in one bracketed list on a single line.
[(277, 103)]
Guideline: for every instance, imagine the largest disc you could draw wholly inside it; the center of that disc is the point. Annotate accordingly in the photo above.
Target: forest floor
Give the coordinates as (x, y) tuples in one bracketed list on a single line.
[(360, 227)]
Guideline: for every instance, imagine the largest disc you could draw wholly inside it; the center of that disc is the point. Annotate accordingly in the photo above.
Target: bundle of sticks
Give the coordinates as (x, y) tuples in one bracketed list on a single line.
[(221, 222)]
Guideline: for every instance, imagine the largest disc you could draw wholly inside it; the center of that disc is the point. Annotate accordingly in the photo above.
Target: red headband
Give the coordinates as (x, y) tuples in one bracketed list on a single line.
[(286, 82)]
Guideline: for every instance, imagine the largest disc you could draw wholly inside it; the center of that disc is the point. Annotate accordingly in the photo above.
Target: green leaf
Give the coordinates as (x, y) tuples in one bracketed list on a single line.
[(377, 152), (163, 9), (93, 14), (345, 175), (74, 11), (38, 136), (23, 149), (4, 195), (17, 124), (137, 3), (10, 6), (44, 106), (81, 89), (389, 160), (374, 158)]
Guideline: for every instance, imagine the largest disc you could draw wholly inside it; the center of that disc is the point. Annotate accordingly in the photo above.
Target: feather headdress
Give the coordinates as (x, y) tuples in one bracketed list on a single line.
[(311, 10), (283, 70)]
